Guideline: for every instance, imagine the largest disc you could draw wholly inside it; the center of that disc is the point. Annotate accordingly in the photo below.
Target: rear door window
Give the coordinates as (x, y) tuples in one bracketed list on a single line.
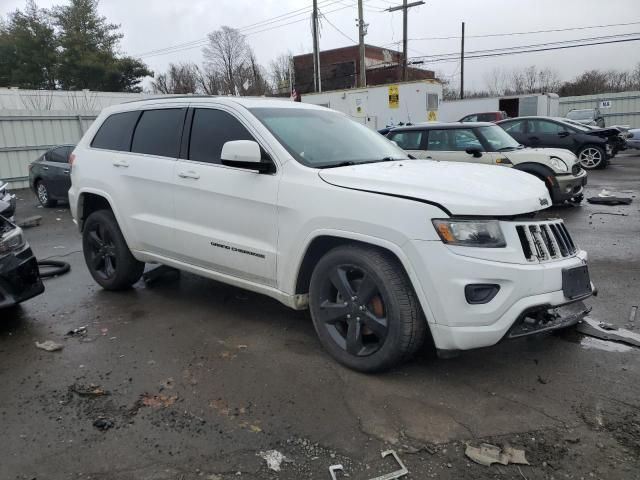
[(544, 126), (514, 127), (158, 132), (58, 155), (210, 130), (411, 140), (116, 131)]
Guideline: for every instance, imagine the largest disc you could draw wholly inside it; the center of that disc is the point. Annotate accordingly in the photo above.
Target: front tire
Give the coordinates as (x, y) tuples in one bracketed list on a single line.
[(106, 253), (364, 309), (44, 197), (592, 157)]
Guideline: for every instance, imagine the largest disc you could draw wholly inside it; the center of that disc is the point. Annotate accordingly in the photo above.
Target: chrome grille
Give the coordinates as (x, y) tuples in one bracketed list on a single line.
[(545, 241)]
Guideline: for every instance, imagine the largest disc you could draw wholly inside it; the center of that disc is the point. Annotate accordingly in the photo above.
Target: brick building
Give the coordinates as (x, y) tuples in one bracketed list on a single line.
[(340, 68)]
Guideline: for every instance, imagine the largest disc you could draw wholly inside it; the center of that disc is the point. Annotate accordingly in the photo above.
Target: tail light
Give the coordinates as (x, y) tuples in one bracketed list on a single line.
[(72, 158)]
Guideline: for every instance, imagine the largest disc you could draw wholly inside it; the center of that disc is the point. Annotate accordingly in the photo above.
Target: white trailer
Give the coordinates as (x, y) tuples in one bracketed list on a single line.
[(546, 104), (384, 105)]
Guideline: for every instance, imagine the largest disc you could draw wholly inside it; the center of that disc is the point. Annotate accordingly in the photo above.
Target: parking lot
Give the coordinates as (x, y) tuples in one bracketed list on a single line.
[(194, 379)]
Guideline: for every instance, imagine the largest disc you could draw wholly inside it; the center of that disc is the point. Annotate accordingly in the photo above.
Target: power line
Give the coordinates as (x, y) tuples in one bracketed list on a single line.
[(442, 56), (501, 54), (526, 33), (257, 25), (337, 29)]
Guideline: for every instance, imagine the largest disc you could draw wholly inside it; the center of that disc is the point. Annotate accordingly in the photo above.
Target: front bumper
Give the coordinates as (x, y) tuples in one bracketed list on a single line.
[(19, 278), (568, 186), (443, 272)]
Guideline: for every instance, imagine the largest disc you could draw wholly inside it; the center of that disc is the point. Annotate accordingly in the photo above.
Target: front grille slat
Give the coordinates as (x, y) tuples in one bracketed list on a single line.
[(545, 241)]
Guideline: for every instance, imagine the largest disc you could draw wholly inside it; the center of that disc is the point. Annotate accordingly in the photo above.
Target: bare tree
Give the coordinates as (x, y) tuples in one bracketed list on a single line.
[(548, 81), (227, 53), (181, 78), (210, 81), (496, 81), (280, 72)]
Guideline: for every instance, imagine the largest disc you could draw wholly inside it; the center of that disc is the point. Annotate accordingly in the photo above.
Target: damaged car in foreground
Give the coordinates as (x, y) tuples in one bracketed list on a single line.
[(19, 273), (305, 205)]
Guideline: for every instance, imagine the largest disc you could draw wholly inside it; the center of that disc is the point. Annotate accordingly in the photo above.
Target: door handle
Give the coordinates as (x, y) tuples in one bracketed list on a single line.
[(189, 174), (121, 163), (66, 171), (534, 138), (45, 168), (428, 158)]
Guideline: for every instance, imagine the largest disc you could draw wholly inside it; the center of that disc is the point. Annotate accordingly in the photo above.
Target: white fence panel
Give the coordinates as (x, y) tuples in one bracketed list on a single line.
[(621, 108), (25, 135)]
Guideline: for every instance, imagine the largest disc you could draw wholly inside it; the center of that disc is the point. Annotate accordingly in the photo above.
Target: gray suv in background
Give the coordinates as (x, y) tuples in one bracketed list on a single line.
[(49, 175), (587, 116)]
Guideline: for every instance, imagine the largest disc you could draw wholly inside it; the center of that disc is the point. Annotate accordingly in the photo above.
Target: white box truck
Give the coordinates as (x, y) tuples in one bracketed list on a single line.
[(545, 104), (384, 105)]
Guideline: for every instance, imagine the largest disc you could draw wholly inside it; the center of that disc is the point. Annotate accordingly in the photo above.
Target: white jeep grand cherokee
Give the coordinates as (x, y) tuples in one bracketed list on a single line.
[(300, 203)]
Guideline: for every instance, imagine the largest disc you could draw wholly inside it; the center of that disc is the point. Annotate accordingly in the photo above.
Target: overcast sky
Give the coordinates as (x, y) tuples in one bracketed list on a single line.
[(154, 24)]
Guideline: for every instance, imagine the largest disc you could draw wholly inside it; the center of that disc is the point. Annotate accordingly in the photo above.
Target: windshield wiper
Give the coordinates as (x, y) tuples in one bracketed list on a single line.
[(350, 163), (506, 149)]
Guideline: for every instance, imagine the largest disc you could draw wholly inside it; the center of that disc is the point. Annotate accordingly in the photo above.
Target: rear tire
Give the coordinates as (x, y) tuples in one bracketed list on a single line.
[(44, 197), (364, 309), (592, 157), (106, 253)]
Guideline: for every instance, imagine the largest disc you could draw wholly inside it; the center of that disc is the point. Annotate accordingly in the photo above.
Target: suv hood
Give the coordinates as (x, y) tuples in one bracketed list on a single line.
[(461, 188)]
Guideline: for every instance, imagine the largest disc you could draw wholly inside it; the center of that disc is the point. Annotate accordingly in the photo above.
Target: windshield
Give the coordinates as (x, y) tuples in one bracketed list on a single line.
[(497, 138), (580, 115), (324, 138)]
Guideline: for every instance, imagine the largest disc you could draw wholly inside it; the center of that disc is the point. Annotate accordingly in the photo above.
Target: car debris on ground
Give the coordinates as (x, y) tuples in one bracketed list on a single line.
[(274, 459), (487, 454), (103, 424), (49, 346), (77, 332), (401, 472), (29, 222), (602, 331)]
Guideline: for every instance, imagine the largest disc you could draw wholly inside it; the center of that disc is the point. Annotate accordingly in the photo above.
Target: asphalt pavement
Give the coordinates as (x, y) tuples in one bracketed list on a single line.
[(186, 378)]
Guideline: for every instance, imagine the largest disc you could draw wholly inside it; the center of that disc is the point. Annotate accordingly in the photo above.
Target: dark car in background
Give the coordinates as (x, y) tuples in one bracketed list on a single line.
[(19, 274), (485, 117), (593, 146), (587, 116), (50, 175)]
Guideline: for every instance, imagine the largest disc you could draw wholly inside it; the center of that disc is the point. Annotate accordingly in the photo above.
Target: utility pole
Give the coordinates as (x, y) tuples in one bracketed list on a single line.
[(317, 84), (362, 31), (404, 7), (462, 65)]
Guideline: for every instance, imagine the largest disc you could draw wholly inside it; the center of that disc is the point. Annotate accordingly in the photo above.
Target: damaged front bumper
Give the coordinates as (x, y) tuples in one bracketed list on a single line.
[(19, 278), (546, 319)]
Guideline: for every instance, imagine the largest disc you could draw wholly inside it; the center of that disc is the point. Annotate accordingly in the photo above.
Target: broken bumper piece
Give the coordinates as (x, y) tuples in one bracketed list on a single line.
[(544, 319)]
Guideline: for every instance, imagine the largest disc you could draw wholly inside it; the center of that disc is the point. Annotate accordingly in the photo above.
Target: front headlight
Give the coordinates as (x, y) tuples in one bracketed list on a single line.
[(470, 233), (12, 241), (558, 164)]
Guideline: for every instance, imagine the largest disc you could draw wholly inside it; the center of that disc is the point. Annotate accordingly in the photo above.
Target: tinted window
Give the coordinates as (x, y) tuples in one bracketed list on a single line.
[(210, 130), (407, 140), (115, 133), (159, 132), (453, 140), (59, 155), (487, 117), (543, 126), (470, 118), (514, 127)]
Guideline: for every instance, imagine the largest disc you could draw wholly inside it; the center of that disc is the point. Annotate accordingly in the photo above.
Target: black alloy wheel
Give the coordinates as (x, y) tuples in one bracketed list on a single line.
[(364, 308), (106, 253), (353, 311), (102, 253)]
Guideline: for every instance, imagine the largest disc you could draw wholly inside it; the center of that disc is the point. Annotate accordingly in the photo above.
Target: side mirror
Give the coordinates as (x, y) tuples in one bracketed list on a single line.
[(244, 154), (395, 143), (475, 151)]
